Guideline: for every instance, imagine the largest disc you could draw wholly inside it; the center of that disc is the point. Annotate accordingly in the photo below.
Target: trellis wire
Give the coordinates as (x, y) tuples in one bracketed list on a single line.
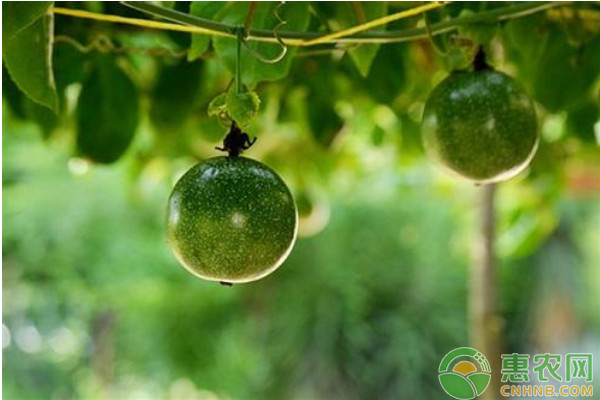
[(348, 35)]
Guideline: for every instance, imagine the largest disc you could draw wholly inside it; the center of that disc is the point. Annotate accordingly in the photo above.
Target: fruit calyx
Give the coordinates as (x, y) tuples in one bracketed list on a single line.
[(236, 141), (480, 62)]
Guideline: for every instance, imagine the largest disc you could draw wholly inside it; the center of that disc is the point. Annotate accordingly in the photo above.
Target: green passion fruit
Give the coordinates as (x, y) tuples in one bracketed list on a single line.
[(480, 125), (232, 220)]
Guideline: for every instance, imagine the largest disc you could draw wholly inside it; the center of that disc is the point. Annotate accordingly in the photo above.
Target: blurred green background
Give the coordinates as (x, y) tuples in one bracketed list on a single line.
[(374, 293)]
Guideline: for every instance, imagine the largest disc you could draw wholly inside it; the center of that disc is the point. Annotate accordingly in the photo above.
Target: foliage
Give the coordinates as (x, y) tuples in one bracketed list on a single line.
[(372, 295), (26, 43), (105, 132), (398, 76)]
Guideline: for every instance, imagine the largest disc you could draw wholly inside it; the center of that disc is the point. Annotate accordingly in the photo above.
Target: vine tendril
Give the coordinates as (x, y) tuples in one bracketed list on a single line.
[(284, 48)]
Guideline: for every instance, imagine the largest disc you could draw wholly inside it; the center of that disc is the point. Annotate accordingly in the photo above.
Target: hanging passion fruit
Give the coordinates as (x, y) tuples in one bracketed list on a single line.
[(231, 219), (480, 125)]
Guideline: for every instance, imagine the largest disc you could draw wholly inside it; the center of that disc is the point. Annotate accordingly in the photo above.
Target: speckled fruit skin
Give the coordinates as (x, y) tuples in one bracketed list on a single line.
[(481, 125), (231, 219)]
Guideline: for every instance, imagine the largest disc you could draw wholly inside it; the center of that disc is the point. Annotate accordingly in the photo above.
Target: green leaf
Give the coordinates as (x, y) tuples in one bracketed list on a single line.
[(320, 76), (454, 54), (25, 108), (208, 10), (324, 121), (107, 112), (387, 75), (28, 59), (362, 55), (239, 107), (458, 58), (43, 117), (558, 75), (525, 39), (581, 120), (12, 94), (253, 70), (481, 33), (17, 15), (218, 108), (210, 129), (174, 94), (565, 75), (242, 107), (69, 66)]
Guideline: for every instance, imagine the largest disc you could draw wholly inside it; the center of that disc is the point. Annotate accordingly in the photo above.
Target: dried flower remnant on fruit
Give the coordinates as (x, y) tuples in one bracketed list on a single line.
[(236, 141)]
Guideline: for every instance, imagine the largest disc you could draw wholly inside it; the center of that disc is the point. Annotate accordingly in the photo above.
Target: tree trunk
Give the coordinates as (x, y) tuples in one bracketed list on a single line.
[(103, 351), (485, 324)]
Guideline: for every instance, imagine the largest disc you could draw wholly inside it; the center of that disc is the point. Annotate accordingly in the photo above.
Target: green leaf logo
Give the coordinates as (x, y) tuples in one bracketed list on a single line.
[(464, 373)]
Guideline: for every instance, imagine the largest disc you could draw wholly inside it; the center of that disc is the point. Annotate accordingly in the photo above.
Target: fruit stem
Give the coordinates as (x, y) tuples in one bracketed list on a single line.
[(238, 60), (480, 63)]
